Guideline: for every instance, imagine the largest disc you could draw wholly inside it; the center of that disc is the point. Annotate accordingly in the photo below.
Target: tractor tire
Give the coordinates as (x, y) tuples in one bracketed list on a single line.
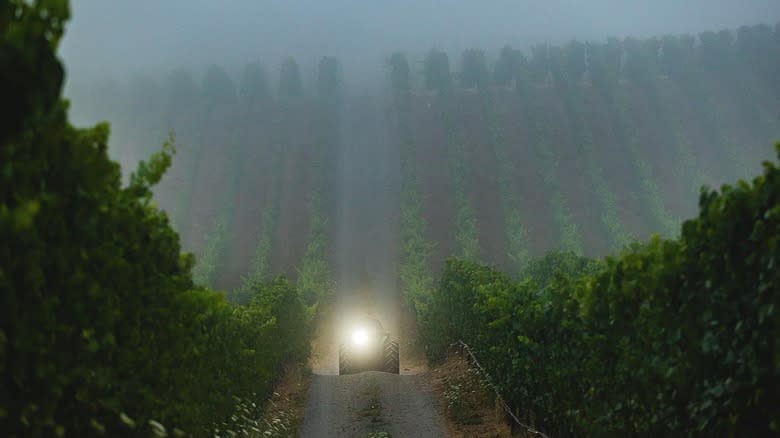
[(392, 363), (345, 361)]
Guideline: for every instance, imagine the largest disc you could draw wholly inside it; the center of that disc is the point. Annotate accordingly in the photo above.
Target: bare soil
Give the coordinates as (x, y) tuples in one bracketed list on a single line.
[(481, 183), (292, 226), (438, 207), (618, 170), (254, 196), (369, 403), (289, 398), (528, 181), (484, 418)]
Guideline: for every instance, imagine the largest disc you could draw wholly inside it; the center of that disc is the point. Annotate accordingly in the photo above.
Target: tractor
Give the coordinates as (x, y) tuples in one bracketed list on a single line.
[(368, 347)]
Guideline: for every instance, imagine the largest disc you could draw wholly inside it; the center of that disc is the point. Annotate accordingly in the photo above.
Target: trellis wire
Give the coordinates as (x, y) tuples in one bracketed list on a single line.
[(500, 399)]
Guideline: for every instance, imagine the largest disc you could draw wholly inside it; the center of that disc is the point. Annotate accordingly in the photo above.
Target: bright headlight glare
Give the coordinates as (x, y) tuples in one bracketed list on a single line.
[(360, 337)]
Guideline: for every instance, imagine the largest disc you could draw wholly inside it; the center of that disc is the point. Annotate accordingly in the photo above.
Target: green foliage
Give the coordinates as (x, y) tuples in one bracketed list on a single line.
[(666, 222), (415, 271), (30, 74), (669, 338), (685, 167), (466, 228), (619, 105), (236, 351), (315, 279), (570, 239), (717, 116), (517, 236), (250, 420), (466, 394), (541, 136), (544, 270), (516, 230), (211, 254), (456, 295), (702, 69), (415, 248), (261, 262), (571, 95), (465, 233), (102, 331)]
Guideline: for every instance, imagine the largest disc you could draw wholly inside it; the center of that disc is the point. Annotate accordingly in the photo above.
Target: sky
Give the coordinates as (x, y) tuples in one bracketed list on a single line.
[(112, 38)]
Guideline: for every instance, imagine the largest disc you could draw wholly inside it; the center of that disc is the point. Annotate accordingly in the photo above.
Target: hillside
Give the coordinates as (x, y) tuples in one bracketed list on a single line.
[(584, 147)]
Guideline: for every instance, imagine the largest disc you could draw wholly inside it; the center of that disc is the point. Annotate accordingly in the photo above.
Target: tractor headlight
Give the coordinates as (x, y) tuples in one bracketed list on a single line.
[(361, 337)]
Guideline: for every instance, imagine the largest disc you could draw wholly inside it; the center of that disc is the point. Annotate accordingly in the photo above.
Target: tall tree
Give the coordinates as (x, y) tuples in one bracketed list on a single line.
[(509, 67), (400, 82), (182, 92), (604, 63), (437, 71), (755, 49), (641, 61), (254, 85), (540, 63), (328, 80), (576, 63), (775, 54), (218, 87), (290, 84), (30, 74), (557, 63), (716, 50), (473, 69)]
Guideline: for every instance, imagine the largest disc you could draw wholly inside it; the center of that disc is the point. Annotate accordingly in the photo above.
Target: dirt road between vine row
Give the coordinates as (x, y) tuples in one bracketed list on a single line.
[(370, 404), (365, 218)]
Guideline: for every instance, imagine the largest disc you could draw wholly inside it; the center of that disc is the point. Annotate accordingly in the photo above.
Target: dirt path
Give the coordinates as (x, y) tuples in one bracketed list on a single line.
[(369, 404)]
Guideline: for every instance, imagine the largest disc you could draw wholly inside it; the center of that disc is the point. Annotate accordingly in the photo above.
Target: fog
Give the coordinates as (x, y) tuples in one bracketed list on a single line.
[(559, 161), (113, 38), (376, 218)]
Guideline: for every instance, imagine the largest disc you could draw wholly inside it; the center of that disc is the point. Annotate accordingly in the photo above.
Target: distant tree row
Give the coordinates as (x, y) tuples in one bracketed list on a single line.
[(181, 89), (614, 60)]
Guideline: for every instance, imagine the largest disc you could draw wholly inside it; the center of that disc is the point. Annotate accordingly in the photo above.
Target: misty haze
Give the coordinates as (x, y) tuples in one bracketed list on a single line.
[(390, 218)]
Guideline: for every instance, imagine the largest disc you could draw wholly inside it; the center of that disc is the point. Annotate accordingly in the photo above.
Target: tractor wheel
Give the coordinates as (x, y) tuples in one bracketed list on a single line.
[(392, 363), (345, 361)]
